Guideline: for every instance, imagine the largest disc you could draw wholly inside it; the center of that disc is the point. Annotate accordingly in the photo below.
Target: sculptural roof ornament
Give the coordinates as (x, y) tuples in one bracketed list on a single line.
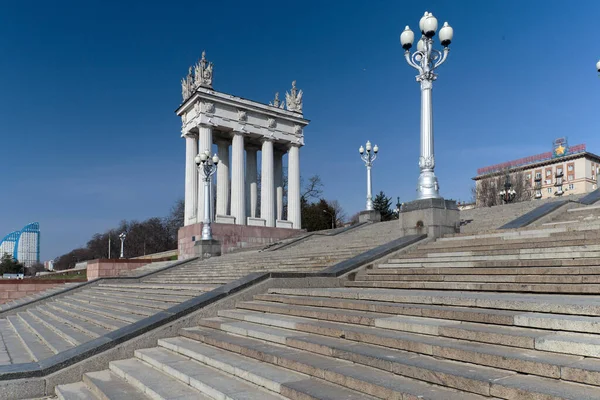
[(294, 99), (276, 102), (199, 75)]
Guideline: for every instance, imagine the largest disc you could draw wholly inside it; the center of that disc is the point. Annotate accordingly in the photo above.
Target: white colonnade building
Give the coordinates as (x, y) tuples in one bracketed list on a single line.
[(241, 129)]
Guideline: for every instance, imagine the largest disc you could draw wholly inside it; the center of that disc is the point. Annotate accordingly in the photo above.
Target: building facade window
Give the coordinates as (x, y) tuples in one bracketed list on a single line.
[(538, 175), (570, 167), (549, 190), (548, 172), (571, 186)]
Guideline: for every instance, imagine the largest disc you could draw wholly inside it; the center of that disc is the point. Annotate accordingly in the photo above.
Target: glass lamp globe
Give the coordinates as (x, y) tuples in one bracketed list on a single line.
[(203, 156), (598, 66), (430, 26), (361, 150), (368, 146), (198, 159), (376, 148), (420, 45), (446, 34), (215, 159), (407, 38)]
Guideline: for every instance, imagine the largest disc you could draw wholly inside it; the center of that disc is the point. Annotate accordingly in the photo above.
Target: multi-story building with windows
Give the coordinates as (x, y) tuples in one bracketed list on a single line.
[(23, 245), (564, 170)]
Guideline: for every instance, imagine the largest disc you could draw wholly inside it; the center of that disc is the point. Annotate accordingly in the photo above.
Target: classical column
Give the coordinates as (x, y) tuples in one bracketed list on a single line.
[(294, 186), (238, 189), (267, 187), (223, 177), (251, 181), (204, 143), (278, 178), (191, 179)]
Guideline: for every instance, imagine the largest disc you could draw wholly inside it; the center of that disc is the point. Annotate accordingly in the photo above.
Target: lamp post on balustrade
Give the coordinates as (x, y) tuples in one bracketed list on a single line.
[(426, 60), (122, 236), (368, 157), (207, 166)]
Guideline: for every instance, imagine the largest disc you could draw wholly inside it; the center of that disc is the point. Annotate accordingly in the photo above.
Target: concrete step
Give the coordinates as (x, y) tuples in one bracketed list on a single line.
[(489, 272), (55, 341), (90, 329), (367, 380), (108, 386), (522, 302), (37, 348), (587, 288), (207, 380), (12, 348), (100, 310), (498, 278), (114, 305), (95, 297), (108, 323), (167, 293), (72, 335), (75, 391), (133, 294), (154, 383)]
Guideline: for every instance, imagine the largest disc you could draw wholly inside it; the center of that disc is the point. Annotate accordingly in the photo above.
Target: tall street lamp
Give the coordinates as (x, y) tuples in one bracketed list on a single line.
[(207, 166), (425, 60), (332, 218), (368, 157), (122, 236)]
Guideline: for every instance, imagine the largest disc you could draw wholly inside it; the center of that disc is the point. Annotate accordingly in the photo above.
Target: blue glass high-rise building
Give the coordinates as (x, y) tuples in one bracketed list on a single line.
[(23, 245)]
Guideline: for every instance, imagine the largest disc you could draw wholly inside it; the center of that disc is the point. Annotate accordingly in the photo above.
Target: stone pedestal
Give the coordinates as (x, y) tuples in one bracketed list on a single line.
[(369, 216), (207, 248), (434, 217)]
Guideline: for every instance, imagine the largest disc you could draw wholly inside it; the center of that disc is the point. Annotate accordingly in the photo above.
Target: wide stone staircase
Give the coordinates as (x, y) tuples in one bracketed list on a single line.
[(490, 218), (509, 314), (61, 323), (587, 214)]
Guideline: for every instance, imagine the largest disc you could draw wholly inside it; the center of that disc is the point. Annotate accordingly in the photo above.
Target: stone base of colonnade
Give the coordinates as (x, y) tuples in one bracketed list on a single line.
[(231, 237)]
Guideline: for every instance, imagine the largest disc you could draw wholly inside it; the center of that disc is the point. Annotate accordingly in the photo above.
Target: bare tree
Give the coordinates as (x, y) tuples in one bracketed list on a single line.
[(313, 189), (487, 190), (338, 211)]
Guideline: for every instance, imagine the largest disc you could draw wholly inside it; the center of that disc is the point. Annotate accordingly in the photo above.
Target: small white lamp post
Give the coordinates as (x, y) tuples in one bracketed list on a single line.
[(207, 166), (368, 157), (122, 236)]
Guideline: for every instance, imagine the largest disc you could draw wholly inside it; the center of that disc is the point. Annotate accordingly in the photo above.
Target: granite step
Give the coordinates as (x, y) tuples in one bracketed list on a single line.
[(108, 323), (368, 310), (100, 298), (587, 288), (108, 386), (564, 304), (12, 348), (368, 380), (102, 311), (72, 335), (497, 278), (75, 391), (209, 381), (90, 329), (114, 305), (372, 274), (539, 363), (170, 298), (152, 382), (167, 293), (55, 341), (37, 348)]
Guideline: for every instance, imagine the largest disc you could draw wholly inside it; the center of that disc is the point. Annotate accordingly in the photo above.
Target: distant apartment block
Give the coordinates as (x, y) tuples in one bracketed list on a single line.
[(23, 245)]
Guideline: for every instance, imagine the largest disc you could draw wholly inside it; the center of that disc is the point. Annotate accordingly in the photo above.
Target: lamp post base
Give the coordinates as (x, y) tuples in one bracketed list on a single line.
[(369, 216), (434, 217), (207, 248), (427, 186)]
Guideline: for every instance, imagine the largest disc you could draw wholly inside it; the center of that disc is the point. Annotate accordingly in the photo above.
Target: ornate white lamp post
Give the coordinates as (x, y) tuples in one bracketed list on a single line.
[(425, 60), (122, 237), (368, 157), (207, 166), (507, 194)]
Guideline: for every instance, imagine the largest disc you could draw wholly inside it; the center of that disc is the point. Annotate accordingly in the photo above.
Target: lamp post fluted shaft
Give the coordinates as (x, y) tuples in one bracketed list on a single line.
[(122, 237), (425, 60), (208, 167), (368, 157)]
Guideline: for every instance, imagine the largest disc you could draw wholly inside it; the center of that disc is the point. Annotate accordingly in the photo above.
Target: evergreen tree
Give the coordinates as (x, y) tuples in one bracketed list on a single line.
[(8, 265), (383, 204)]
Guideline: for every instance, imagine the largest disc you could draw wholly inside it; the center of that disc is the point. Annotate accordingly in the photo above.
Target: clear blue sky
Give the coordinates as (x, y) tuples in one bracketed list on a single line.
[(88, 89)]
